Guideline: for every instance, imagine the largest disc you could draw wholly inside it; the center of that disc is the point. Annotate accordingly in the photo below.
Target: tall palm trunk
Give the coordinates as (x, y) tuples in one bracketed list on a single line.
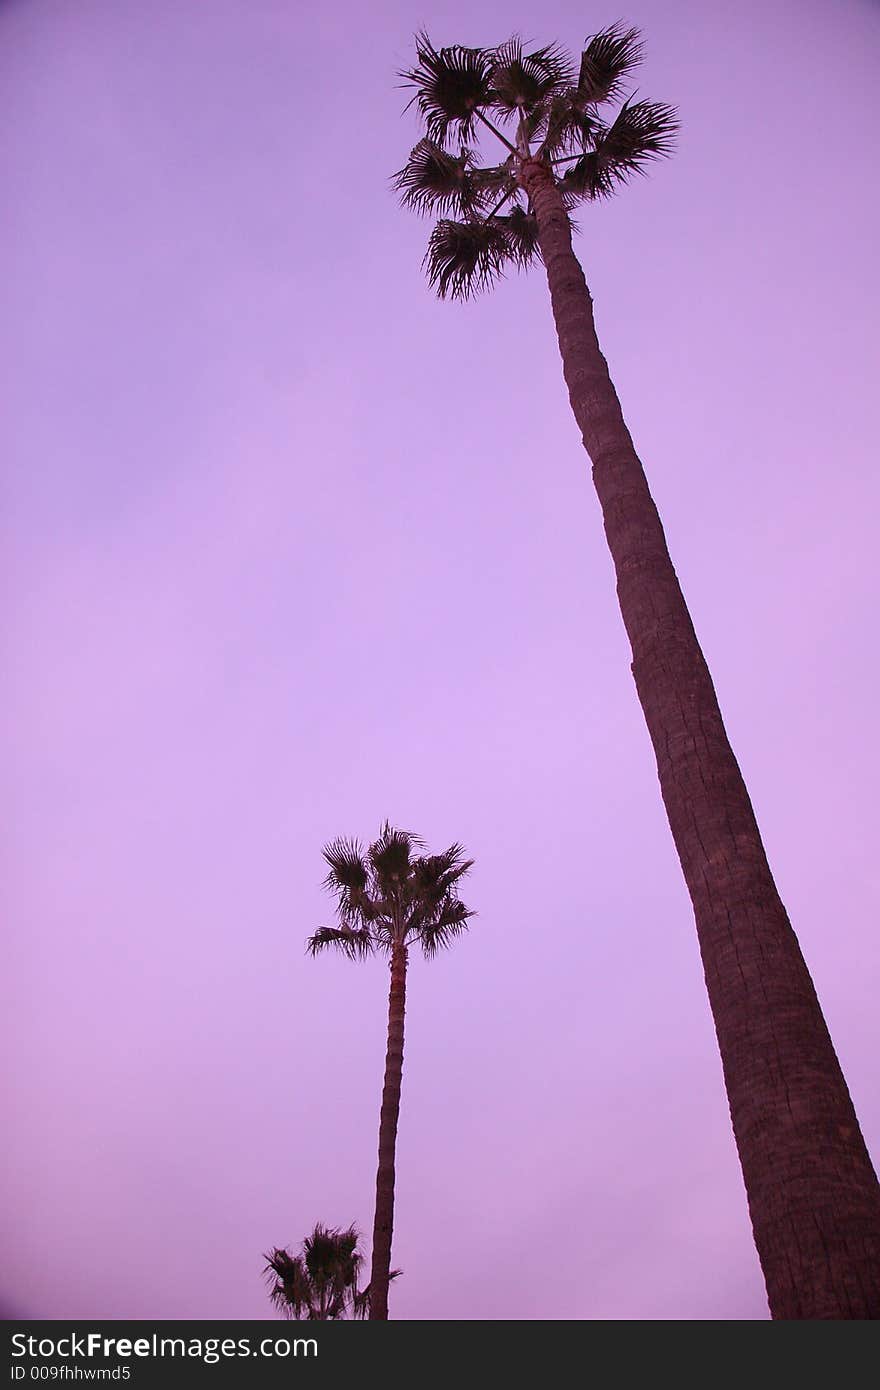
[(380, 1273), (813, 1196)]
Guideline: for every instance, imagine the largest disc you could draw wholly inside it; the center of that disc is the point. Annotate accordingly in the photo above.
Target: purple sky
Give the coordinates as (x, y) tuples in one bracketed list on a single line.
[(293, 547)]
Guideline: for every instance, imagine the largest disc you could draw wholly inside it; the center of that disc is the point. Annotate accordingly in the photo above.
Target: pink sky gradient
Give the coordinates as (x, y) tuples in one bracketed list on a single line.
[(292, 547)]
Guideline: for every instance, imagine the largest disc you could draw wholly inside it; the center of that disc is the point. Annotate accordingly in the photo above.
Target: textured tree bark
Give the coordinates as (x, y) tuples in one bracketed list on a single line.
[(380, 1272), (813, 1195)]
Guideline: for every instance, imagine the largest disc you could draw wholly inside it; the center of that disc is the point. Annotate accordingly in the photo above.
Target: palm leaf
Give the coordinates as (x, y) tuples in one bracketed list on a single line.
[(641, 132), (290, 1287), (587, 178), (608, 58), (450, 921), (331, 1253), (464, 258), (438, 914), (390, 857), (348, 881), (348, 870), (452, 863), (521, 233), (433, 180), (354, 942), (451, 84), (521, 81)]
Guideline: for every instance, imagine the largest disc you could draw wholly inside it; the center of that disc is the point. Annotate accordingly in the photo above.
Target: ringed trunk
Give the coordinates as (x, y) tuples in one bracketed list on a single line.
[(813, 1195), (380, 1272)]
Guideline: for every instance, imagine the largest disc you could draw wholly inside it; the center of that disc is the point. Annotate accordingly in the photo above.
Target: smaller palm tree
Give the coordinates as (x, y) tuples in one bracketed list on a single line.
[(320, 1284), (389, 898)]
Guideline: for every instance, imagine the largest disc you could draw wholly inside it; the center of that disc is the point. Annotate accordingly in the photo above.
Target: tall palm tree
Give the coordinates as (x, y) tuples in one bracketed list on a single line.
[(387, 899), (320, 1284), (813, 1195)]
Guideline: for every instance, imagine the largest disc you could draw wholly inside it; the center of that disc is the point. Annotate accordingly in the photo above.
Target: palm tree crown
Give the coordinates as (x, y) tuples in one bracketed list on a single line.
[(388, 896), (540, 106), (320, 1283)]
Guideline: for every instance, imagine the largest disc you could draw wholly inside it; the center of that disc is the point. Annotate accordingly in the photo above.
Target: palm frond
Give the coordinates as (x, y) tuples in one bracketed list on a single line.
[(332, 1253), (437, 913), (609, 57), (521, 233), (390, 857), (641, 132), (464, 258), (450, 921), (522, 81), (348, 881), (450, 85), (435, 874), (289, 1284), (348, 869), (586, 178), (354, 942), (433, 180)]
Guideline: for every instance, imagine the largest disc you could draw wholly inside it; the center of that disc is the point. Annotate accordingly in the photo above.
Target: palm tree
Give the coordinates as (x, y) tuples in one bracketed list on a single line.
[(388, 899), (813, 1195), (320, 1283)]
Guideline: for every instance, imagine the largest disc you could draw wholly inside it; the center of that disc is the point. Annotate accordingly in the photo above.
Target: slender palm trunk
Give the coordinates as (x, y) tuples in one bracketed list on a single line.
[(380, 1272), (813, 1196)]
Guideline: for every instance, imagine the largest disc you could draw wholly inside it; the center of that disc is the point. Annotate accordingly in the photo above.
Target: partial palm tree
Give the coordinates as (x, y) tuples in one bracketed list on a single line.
[(388, 898), (565, 136), (320, 1283)]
